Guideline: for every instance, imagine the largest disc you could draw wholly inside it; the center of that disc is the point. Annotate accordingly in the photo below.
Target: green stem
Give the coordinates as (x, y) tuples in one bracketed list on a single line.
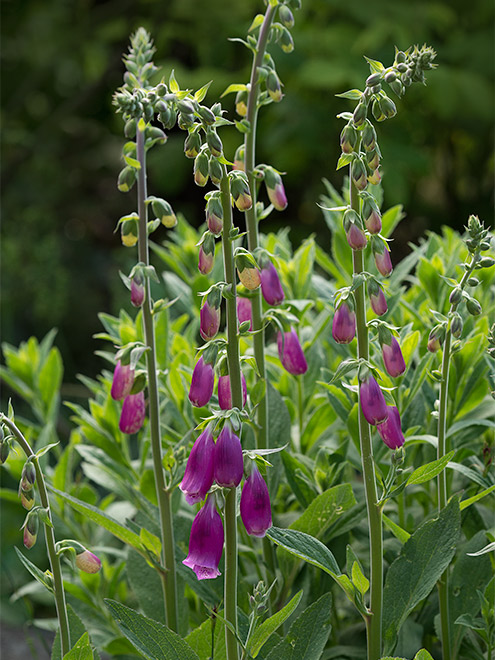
[(262, 439), (168, 575), (54, 559), (300, 408), (442, 449), (230, 518), (374, 622)]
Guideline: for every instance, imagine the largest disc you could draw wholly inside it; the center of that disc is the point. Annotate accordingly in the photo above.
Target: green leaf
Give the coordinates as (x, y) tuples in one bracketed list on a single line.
[(396, 530), (415, 572), (344, 159), (34, 570), (353, 94), (235, 87), (151, 542), (308, 634), (305, 547), (345, 367), (101, 518), (263, 632), (471, 500), (76, 631), (172, 83), (423, 654), (43, 450), (375, 65), (359, 580), (154, 640), (430, 470), (132, 162), (324, 510), (201, 93), (146, 584), (50, 379), (81, 650), (390, 220), (257, 21), (299, 479)]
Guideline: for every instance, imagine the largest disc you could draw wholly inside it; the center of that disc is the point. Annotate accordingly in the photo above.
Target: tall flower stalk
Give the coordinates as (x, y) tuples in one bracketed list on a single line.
[(449, 328), (362, 225), (46, 517)]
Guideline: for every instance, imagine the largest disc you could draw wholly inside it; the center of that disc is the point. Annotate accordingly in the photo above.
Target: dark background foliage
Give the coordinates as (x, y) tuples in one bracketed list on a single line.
[(61, 62)]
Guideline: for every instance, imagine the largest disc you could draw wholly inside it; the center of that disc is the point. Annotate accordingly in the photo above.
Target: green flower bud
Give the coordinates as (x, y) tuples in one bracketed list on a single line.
[(155, 133), (397, 87), (377, 110), (456, 325), (390, 77), (486, 262), (185, 121), (286, 41), (473, 307), (473, 281), (163, 211), (369, 137), (168, 117), (400, 56), (201, 169), (358, 173), (130, 129), (192, 145), (388, 107), (372, 160), (360, 113), (286, 16), (241, 102), (273, 87), (214, 143), (376, 89), (374, 79), (127, 179), (455, 296), (27, 499), (206, 115), (401, 67), (348, 139), (28, 477), (185, 107), (215, 171), (129, 233), (4, 452)]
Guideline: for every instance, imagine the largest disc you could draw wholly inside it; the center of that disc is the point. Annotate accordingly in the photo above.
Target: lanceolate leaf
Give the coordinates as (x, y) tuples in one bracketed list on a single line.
[(34, 570), (415, 572), (271, 624), (154, 640), (305, 547), (430, 470)]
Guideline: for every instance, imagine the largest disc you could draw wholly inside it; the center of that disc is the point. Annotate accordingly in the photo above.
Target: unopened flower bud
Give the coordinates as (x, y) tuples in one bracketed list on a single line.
[(4, 451), (372, 160), (373, 79), (27, 499), (344, 323), (286, 16), (377, 298), (205, 260), (390, 76), (390, 430), (244, 311), (360, 113), (133, 413), (209, 320), (372, 401), (215, 171), (275, 189), (214, 143), (163, 212), (286, 41), (198, 477), (201, 172), (123, 379), (393, 358), (375, 177), (31, 527), (435, 338), (356, 237), (250, 277), (377, 110), (358, 173), (214, 214), (273, 87), (241, 102), (225, 392), (203, 380), (28, 477), (88, 562), (192, 145), (127, 178), (455, 295), (228, 464), (388, 107), (486, 262), (382, 257), (137, 291), (129, 233), (207, 115), (255, 507), (348, 139), (473, 307), (271, 288), (291, 353), (239, 158), (456, 325), (369, 136)]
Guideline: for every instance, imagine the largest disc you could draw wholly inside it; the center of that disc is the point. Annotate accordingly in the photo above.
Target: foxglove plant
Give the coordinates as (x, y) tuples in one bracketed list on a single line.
[(360, 151)]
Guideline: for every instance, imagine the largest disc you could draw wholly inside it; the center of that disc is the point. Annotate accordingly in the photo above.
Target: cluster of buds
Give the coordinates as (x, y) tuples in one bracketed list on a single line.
[(129, 389), (220, 463)]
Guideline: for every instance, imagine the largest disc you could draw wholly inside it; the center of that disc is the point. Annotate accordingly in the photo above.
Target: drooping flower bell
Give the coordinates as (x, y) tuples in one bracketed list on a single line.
[(271, 288), (372, 217), (198, 477), (133, 413), (353, 230), (382, 257), (435, 339), (275, 189), (28, 477), (250, 277), (228, 464), (344, 322), (137, 290), (88, 562), (202, 382), (390, 430), (372, 401), (392, 355), (206, 542), (256, 512), (209, 317), (31, 527), (240, 191), (291, 353), (244, 311), (214, 214), (377, 297), (225, 393), (206, 256), (123, 378)]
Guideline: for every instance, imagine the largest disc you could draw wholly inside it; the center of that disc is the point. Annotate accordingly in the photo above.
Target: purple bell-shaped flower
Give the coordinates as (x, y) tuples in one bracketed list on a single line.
[(123, 379), (256, 512), (206, 542), (209, 317), (271, 287), (390, 430), (198, 476), (225, 393), (133, 413), (344, 324), (88, 562), (372, 400), (393, 358), (245, 311), (228, 464), (203, 379), (291, 353)]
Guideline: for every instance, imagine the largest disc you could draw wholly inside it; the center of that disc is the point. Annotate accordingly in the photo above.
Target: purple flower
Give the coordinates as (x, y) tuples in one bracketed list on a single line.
[(393, 358), (31, 529), (205, 261), (198, 476), (277, 195), (245, 311), (390, 430), (372, 401), (209, 317), (291, 353), (228, 464), (270, 284), (88, 562), (132, 414), (373, 221), (383, 262), (206, 542), (225, 394), (256, 512), (202, 382), (137, 291), (378, 302), (344, 324), (356, 237), (123, 378)]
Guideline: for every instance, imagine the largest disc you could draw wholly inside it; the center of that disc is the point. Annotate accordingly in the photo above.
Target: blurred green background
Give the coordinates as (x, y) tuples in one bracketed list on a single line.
[(61, 141)]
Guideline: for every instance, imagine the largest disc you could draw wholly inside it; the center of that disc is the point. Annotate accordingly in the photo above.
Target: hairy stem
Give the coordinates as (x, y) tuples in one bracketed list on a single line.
[(443, 583), (168, 575), (374, 622), (54, 559), (230, 589)]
